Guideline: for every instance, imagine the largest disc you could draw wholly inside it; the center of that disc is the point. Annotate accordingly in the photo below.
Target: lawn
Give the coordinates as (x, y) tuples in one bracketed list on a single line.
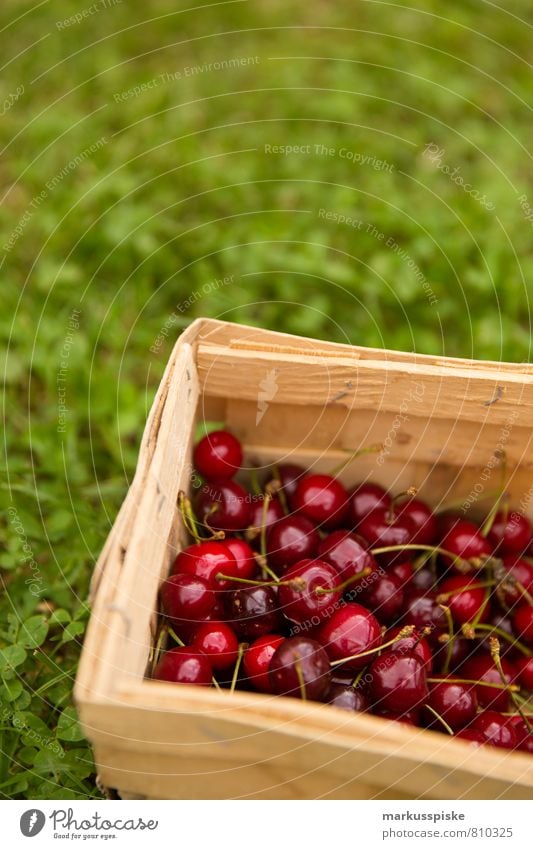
[(352, 171)]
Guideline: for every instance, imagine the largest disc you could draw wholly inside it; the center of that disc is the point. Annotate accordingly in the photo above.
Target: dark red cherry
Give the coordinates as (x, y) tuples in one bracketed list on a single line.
[(364, 499), (445, 522), (322, 499), (405, 572), (347, 698), (474, 738), (422, 517), (466, 600), (423, 579), (347, 553), (288, 475), (511, 533), (454, 701), (408, 717), (519, 570), (397, 682), (524, 670), (465, 540), (224, 505), (496, 729), (257, 659), (218, 455), (259, 517), (187, 597), (382, 528), (300, 668), (352, 629), (481, 668), (384, 596), (308, 591), (184, 665), (523, 622), (206, 560), (252, 611), (244, 557), (413, 644), (460, 650), (219, 642), (422, 609), (291, 539)]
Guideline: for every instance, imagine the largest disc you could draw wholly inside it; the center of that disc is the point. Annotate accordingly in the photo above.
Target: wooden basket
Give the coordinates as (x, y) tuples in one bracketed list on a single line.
[(445, 425)]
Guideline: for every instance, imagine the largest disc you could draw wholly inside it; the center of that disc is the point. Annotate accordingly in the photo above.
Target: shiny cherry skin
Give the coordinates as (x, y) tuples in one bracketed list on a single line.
[(347, 553), (206, 560), (308, 591), (322, 499), (352, 629), (184, 665), (422, 517), (496, 729), (414, 644), (382, 528), (465, 600), (223, 505), (524, 671), (244, 558), (465, 540), (252, 611), (481, 668), (219, 642), (519, 570), (423, 579), (422, 609), (257, 659), (364, 499), (218, 455), (187, 597), (511, 533), (300, 668), (258, 519), (468, 735), (291, 539), (454, 701), (405, 572), (523, 622), (384, 596), (398, 682), (347, 698)]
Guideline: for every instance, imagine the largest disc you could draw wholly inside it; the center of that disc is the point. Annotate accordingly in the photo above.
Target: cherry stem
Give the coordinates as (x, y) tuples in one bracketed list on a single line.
[(449, 642), (180, 642), (266, 504), (185, 508), (242, 648), (262, 561), (412, 547), (406, 493), (440, 718), (405, 632), (494, 629), (489, 521), (512, 687), (478, 585), (276, 487), (341, 587), (355, 682), (301, 680), (495, 654), (353, 455), (156, 651)]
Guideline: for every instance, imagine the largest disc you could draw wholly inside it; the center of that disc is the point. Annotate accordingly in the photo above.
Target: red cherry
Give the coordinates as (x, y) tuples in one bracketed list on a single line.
[(187, 597), (257, 659), (465, 540), (206, 559), (455, 702), (219, 642), (524, 669), (218, 455), (347, 698), (382, 528), (409, 717), (405, 572), (384, 596), (347, 553), (520, 570), (300, 668), (510, 533), (322, 499), (224, 505), (474, 738), (413, 644), (460, 650), (422, 609), (290, 540), (496, 729), (288, 475), (252, 611), (364, 499), (244, 558), (466, 601), (398, 681), (308, 591), (184, 665), (351, 630), (523, 622), (481, 668), (422, 517), (274, 512)]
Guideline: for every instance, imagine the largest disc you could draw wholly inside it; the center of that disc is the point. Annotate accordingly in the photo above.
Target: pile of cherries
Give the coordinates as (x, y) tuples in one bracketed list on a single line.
[(357, 599)]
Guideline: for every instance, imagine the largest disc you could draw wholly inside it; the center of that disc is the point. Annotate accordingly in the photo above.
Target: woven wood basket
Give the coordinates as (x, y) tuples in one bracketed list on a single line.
[(442, 422)]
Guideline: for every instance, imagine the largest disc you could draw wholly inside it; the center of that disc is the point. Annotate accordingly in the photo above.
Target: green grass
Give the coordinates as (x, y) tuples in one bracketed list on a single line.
[(173, 189)]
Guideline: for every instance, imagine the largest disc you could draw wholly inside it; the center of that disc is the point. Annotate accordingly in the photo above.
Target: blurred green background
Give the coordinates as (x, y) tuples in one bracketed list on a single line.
[(143, 158)]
